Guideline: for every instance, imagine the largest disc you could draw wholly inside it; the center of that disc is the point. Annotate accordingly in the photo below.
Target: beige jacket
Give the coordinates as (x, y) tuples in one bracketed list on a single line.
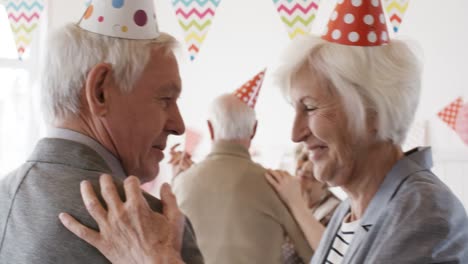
[(236, 214)]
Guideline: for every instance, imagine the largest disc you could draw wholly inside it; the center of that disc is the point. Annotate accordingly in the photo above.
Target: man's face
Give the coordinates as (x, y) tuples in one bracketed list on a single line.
[(139, 122)]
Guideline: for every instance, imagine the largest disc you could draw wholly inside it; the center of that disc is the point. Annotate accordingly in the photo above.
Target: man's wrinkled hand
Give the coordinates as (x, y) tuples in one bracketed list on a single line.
[(130, 232)]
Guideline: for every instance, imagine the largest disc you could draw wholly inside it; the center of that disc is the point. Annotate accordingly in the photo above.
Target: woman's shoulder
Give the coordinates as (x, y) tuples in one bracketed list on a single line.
[(425, 188), (423, 197)]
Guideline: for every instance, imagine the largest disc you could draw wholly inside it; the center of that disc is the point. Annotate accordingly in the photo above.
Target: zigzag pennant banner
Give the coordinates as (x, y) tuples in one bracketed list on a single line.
[(195, 18), (297, 15), (461, 124), (24, 16), (396, 10), (450, 113)]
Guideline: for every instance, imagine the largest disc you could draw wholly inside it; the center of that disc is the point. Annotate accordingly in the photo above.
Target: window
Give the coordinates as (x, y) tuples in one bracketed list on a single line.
[(20, 120)]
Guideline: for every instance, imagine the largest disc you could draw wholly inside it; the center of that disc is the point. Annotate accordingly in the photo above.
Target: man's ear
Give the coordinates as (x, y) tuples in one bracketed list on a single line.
[(210, 128), (97, 89), (254, 130)]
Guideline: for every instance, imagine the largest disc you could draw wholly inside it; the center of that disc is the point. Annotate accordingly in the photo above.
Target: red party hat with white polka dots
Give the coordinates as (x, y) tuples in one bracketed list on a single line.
[(357, 23), (127, 19), (248, 93)]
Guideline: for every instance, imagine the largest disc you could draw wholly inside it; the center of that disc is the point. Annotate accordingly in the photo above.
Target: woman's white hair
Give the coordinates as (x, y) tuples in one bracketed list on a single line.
[(72, 52), (383, 80), (231, 118)]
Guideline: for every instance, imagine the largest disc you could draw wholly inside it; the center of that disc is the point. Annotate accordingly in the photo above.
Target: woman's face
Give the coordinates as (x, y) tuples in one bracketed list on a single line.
[(322, 124)]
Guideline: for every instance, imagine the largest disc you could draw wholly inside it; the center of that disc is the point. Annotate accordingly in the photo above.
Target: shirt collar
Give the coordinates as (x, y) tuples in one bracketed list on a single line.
[(109, 158), (229, 148), (418, 159)]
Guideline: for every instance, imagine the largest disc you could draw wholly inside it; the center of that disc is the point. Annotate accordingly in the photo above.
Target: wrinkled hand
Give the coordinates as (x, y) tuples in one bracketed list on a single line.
[(288, 188), (180, 161), (130, 232)]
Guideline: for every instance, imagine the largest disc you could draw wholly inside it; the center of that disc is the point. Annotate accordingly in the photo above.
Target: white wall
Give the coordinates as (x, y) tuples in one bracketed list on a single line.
[(247, 36)]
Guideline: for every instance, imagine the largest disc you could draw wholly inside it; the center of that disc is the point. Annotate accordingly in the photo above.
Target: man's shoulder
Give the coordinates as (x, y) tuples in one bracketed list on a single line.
[(227, 164), (36, 194)]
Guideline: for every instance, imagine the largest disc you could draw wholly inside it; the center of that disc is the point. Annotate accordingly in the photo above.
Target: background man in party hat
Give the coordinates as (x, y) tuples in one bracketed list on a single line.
[(110, 90), (237, 216)]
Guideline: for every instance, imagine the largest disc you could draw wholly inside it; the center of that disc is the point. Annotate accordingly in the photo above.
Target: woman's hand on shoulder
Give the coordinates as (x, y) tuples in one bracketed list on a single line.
[(288, 188)]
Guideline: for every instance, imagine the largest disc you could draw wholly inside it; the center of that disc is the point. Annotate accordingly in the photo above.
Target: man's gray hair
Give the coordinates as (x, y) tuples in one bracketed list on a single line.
[(384, 80), (231, 118), (72, 52)]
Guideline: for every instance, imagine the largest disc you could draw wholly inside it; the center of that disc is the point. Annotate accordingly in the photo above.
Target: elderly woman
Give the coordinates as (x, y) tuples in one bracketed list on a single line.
[(353, 107)]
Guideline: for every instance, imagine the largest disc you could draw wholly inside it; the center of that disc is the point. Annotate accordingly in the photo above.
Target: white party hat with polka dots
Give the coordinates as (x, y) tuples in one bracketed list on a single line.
[(357, 23), (127, 19), (248, 93)]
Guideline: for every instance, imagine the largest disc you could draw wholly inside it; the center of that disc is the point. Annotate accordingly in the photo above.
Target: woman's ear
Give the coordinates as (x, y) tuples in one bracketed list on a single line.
[(99, 83)]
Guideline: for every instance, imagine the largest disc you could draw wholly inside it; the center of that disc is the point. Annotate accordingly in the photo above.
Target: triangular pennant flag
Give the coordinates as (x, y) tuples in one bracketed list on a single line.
[(248, 93), (195, 18), (357, 23), (396, 10), (24, 17), (461, 124), (192, 139), (297, 15), (449, 113)]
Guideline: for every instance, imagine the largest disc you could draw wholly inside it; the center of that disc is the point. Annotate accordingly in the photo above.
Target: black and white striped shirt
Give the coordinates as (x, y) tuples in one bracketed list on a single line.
[(342, 241)]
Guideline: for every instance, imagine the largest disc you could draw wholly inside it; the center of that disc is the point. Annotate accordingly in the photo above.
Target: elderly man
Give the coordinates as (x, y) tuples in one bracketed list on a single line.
[(238, 217), (111, 95)]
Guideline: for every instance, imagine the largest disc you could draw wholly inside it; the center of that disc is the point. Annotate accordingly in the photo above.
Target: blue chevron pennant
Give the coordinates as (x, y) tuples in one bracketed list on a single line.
[(24, 16)]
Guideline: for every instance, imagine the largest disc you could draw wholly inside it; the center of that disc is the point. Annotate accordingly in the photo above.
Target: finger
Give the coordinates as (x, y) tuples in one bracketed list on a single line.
[(90, 236), (283, 176), (133, 193), (92, 204), (272, 181), (170, 208), (274, 175), (109, 192), (185, 164), (182, 157), (173, 214), (174, 147), (175, 156), (187, 158)]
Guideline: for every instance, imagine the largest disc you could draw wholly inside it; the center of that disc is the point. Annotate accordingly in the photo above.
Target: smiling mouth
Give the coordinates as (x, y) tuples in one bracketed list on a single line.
[(317, 148), (316, 152)]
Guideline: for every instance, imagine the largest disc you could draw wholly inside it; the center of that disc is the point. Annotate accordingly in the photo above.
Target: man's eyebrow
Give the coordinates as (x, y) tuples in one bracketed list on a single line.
[(172, 89)]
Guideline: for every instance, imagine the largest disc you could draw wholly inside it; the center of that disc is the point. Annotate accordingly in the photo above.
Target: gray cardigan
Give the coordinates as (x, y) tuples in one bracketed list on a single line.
[(48, 183), (413, 218)]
